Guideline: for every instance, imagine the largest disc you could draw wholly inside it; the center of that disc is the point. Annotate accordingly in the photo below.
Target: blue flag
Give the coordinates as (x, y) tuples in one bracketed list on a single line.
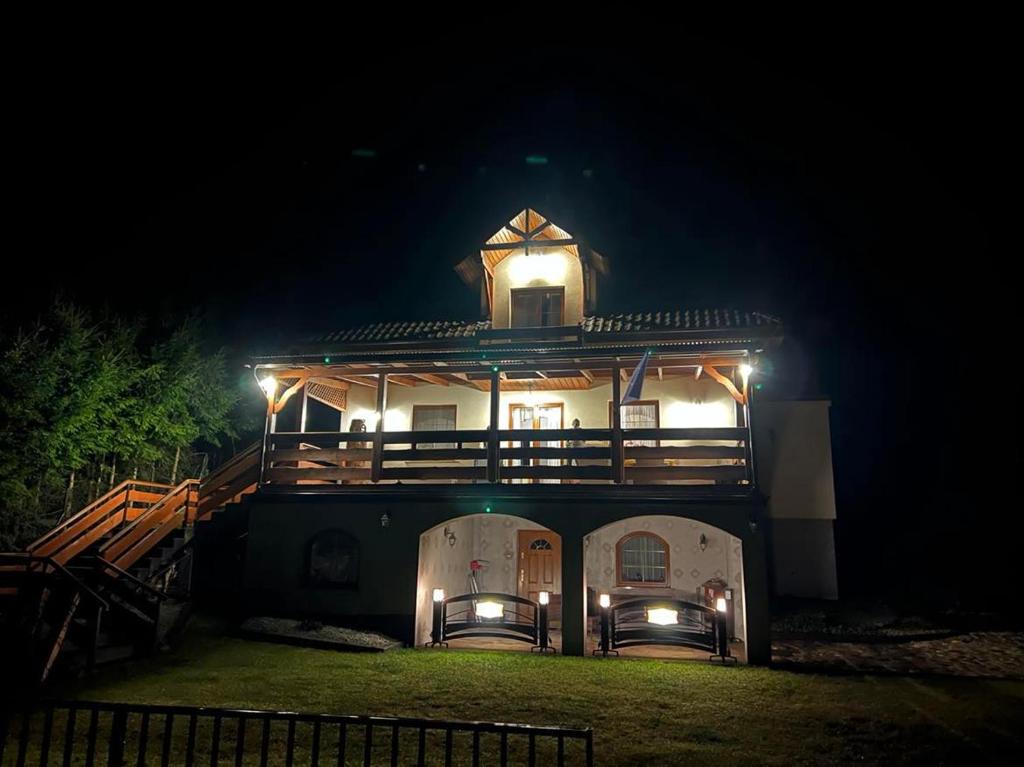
[(635, 387)]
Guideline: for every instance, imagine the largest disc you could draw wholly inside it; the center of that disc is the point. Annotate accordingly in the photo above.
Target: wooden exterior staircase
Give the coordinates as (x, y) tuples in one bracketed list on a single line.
[(97, 585)]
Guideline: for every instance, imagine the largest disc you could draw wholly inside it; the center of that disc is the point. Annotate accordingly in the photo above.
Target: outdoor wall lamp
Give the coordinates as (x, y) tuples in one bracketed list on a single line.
[(450, 536), (269, 385), (703, 542)]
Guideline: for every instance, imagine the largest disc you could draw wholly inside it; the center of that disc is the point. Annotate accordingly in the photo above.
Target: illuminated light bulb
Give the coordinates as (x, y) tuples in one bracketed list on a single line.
[(269, 385), (662, 616), (438, 595), (746, 370), (543, 597), (605, 600), (720, 604), (490, 609)]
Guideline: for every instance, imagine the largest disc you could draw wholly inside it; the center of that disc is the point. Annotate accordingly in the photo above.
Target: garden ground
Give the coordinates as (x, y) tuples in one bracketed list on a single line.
[(643, 712)]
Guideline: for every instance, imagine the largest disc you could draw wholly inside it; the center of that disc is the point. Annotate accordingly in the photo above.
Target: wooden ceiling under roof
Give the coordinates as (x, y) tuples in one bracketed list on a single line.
[(329, 383), (526, 230)]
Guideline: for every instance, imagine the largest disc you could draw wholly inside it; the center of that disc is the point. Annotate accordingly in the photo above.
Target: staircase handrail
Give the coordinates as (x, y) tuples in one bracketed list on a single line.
[(176, 503), (91, 509)]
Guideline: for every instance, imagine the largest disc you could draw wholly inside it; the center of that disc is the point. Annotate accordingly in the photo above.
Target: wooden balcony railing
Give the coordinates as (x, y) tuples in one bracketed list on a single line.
[(629, 456)]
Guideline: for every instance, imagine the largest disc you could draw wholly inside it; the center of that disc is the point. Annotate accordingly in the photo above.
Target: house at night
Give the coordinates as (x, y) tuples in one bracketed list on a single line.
[(444, 481)]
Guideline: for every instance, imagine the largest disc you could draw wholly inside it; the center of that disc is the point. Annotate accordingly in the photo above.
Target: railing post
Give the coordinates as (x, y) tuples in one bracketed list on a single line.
[(749, 441), (265, 448), (118, 734), (493, 445), (618, 456), (377, 456)]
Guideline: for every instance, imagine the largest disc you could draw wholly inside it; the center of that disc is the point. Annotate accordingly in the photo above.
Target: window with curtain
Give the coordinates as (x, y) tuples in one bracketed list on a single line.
[(537, 307), (433, 418), (642, 558), (639, 415)]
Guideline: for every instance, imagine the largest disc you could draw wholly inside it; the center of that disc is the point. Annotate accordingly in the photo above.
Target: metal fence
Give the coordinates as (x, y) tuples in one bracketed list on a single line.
[(93, 734)]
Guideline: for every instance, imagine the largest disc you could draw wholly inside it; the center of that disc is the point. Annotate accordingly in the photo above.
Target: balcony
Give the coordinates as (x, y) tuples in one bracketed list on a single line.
[(697, 456), (689, 431)]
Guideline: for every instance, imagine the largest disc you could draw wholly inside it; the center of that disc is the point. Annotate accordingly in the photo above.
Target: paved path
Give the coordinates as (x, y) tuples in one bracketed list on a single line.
[(991, 654)]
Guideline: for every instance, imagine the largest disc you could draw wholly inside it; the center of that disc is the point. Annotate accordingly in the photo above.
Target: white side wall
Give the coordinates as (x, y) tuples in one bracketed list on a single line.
[(683, 403), (794, 458), (793, 453), (689, 567)]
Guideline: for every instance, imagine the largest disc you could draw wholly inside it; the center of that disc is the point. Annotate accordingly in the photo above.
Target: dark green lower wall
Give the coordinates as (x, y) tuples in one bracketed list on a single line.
[(281, 527)]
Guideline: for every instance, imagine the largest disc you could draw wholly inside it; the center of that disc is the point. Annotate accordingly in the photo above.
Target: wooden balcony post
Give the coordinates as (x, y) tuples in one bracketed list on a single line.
[(748, 443), (377, 456), (493, 446), (618, 455)]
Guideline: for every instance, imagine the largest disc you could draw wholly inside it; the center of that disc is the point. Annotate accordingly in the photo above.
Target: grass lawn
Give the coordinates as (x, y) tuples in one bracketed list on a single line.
[(642, 711)]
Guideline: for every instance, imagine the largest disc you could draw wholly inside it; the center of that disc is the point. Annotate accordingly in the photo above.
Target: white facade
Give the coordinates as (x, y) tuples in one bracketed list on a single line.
[(793, 453)]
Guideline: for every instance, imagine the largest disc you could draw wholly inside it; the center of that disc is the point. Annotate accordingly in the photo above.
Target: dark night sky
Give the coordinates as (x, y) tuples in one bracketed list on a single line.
[(851, 184)]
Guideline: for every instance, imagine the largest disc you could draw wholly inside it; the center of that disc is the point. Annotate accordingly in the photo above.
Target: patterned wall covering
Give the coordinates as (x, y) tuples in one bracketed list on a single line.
[(494, 537), (689, 567)]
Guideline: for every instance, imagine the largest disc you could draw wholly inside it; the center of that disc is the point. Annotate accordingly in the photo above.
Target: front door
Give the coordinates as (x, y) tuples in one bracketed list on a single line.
[(540, 563)]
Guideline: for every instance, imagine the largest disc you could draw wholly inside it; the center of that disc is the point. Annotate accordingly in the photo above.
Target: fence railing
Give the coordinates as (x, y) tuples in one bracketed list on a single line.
[(77, 732), (509, 617), (660, 621), (719, 456)]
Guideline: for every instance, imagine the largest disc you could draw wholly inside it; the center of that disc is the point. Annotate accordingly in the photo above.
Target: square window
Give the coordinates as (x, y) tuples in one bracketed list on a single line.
[(537, 307)]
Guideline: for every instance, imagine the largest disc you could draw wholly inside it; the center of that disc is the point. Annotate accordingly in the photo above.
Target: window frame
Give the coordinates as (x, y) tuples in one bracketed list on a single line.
[(435, 445), (621, 581), (356, 547), (657, 420), (560, 289)]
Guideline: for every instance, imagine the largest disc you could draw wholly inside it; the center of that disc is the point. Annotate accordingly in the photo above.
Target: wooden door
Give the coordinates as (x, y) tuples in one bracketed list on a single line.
[(540, 563)]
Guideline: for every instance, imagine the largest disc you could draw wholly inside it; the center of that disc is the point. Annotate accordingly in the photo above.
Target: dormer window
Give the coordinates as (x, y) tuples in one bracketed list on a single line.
[(537, 307)]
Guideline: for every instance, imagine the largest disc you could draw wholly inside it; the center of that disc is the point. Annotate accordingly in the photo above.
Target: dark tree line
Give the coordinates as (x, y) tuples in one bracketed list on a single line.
[(88, 401)]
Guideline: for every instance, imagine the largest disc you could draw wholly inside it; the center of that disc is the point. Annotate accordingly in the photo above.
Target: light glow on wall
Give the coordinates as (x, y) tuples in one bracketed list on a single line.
[(490, 609), (548, 268), (693, 415), (662, 616), (369, 416)]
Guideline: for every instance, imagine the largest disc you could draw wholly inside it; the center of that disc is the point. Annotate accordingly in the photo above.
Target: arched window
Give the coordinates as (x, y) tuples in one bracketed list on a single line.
[(333, 560), (642, 559)]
